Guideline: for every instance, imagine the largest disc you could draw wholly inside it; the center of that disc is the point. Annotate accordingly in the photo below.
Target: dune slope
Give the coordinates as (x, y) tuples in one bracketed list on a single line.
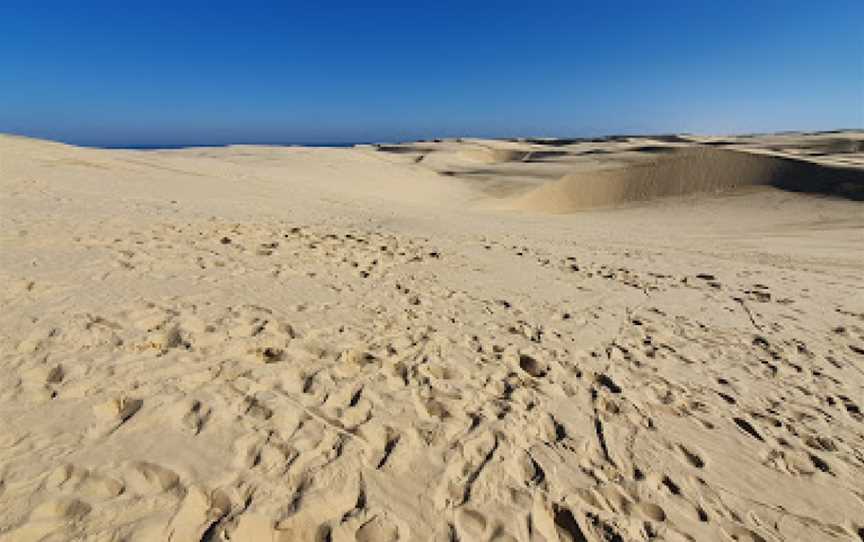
[(678, 172)]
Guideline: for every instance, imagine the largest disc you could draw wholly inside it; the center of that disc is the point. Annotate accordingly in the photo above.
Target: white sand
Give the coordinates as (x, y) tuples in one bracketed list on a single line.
[(279, 344)]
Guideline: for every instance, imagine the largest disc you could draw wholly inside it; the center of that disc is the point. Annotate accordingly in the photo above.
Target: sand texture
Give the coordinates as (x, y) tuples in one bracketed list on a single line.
[(616, 339)]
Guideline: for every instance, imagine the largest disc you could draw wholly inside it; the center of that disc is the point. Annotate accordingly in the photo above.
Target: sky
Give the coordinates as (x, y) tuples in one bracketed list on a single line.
[(149, 72)]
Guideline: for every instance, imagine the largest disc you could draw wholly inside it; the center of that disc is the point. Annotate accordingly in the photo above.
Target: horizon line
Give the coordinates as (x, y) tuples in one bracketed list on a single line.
[(352, 143)]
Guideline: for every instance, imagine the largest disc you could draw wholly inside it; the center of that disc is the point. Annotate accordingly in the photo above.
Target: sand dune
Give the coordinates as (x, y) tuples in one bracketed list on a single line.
[(280, 344), (683, 171), (496, 155)]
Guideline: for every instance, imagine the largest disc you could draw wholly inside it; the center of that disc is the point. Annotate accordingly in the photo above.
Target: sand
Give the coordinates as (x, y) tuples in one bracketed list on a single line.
[(627, 338)]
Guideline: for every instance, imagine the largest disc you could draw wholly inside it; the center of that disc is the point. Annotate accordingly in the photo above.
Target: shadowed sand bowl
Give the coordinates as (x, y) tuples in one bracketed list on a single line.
[(627, 338)]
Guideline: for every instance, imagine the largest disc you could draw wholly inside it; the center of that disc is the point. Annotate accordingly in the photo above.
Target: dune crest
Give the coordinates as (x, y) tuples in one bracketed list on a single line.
[(682, 171)]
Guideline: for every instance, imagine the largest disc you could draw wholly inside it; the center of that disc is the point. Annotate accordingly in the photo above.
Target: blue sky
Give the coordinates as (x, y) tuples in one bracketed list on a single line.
[(118, 73)]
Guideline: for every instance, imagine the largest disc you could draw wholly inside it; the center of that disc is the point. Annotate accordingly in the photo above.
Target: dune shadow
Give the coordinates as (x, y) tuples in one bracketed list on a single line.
[(654, 149)]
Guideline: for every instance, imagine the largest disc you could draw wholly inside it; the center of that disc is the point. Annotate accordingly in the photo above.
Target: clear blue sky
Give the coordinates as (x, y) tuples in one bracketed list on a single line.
[(115, 73)]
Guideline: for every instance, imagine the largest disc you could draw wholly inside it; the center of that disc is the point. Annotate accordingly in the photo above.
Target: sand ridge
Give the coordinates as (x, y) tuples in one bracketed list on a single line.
[(258, 344), (692, 170)]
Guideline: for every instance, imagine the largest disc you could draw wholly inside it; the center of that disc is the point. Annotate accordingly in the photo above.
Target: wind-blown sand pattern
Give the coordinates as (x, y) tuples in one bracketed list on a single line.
[(424, 342)]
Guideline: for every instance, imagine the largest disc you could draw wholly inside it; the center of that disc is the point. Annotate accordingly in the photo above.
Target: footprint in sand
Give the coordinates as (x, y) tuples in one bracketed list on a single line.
[(112, 414), (692, 458), (189, 415), (144, 478), (470, 524), (69, 478), (377, 529), (198, 511), (532, 366)]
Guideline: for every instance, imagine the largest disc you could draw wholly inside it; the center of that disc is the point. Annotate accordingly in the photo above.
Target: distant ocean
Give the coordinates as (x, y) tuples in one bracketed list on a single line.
[(165, 146)]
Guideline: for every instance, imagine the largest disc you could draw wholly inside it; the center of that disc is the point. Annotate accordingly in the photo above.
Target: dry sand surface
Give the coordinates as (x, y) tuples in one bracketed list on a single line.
[(626, 338)]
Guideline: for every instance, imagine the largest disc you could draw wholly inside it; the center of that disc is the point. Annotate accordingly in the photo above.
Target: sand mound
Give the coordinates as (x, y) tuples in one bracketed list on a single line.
[(688, 171), (492, 155), (838, 146)]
